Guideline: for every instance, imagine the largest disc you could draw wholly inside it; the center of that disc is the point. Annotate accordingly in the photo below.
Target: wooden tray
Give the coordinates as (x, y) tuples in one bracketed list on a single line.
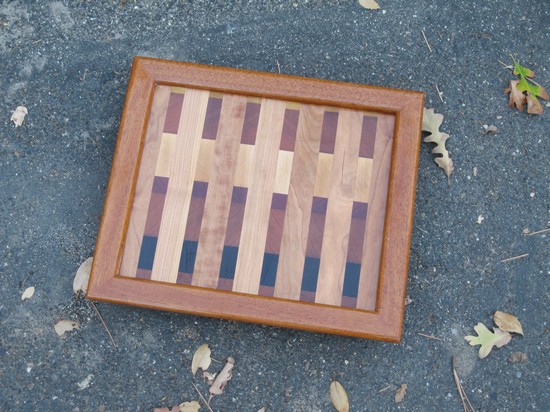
[(262, 198)]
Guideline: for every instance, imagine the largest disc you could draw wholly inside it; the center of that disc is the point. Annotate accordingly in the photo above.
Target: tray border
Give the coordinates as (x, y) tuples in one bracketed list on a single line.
[(385, 323)]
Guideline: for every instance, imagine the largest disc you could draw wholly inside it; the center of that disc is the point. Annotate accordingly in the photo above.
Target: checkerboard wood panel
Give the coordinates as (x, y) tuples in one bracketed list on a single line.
[(261, 196)]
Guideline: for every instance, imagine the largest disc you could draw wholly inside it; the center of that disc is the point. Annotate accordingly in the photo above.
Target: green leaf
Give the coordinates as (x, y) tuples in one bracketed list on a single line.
[(525, 86), (488, 339), (519, 70)]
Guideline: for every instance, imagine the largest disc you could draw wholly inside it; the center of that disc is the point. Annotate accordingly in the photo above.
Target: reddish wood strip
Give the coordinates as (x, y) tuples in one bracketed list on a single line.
[(340, 204), (370, 267), (142, 196), (218, 199)]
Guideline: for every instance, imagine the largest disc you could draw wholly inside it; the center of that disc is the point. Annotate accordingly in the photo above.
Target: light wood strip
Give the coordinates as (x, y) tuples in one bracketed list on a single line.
[(178, 196), (284, 168), (244, 165), (218, 197), (324, 171), (165, 152), (206, 160), (258, 205), (362, 183), (288, 282), (330, 282), (144, 184), (378, 193)]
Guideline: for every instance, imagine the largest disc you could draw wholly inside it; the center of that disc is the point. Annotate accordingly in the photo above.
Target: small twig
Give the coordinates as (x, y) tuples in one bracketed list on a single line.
[(506, 66), (278, 66), (84, 76), (37, 41), (202, 397), (466, 404), (537, 232), (429, 336), (514, 258), (385, 389), (439, 94), (426, 40), (104, 324)]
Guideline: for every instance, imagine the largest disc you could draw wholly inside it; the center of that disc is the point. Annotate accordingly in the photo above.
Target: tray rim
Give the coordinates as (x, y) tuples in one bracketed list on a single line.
[(385, 323)]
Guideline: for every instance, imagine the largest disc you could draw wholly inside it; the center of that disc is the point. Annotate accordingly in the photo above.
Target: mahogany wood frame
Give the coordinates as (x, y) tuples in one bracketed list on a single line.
[(385, 323)]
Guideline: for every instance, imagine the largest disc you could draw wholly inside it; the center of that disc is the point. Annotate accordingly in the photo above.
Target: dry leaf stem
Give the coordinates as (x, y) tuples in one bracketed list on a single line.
[(202, 397), (439, 94), (466, 404), (538, 232), (429, 336), (104, 324), (514, 258), (426, 40)]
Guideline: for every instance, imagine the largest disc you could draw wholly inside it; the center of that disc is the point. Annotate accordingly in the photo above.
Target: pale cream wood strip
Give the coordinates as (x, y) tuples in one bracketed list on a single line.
[(362, 182), (324, 170), (330, 282), (220, 188), (206, 156), (284, 168), (260, 193), (144, 184), (244, 165), (165, 152), (378, 193), (288, 282), (183, 166)]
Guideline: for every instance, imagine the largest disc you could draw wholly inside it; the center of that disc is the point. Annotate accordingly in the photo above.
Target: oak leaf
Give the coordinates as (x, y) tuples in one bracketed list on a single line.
[(339, 397), (517, 98), (488, 339), (525, 84), (507, 322), (431, 122), (201, 359)]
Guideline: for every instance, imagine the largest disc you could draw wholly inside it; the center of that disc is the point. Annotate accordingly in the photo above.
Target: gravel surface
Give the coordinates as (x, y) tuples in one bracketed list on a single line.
[(69, 63)]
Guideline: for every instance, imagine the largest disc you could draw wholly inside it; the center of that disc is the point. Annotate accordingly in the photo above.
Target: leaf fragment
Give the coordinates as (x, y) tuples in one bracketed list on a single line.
[(339, 397), (507, 322), (519, 70), (488, 339), (517, 98), (431, 123), (533, 105), (18, 115), (209, 377), (201, 358), (82, 276), (192, 406), (66, 326), (517, 357), (369, 4), (27, 294), (223, 377), (400, 393), (492, 129)]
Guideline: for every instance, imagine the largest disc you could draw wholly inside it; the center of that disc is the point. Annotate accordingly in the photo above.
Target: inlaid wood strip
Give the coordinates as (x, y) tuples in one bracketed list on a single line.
[(339, 211), (212, 118), (165, 154), (378, 193), (144, 184), (218, 199), (300, 196), (173, 112), (256, 215), (178, 198)]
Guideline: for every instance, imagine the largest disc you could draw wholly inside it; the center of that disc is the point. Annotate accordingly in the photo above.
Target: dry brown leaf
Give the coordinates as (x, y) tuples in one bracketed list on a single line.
[(201, 358), (400, 394), (517, 357), (339, 397), (369, 4), (65, 326), (507, 322), (533, 105), (18, 115), (431, 122), (82, 276), (174, 409), (517, 98), (192, 406), (27, 294), (223, 377)]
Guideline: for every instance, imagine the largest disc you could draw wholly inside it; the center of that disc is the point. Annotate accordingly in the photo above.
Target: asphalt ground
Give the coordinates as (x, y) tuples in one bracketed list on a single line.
[(69, 64)]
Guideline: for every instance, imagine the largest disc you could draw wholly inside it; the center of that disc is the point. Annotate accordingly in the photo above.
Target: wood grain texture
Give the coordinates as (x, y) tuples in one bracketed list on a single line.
[(218, 198), (378, 193), (340, 204), (178, 197), (300, 195), (256, 214), (145, 179), (385, 322)]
